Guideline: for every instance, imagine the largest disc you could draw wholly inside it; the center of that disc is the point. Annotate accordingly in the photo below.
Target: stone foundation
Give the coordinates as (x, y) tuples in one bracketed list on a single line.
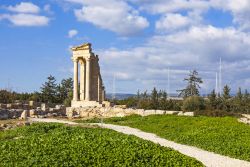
[(76, 104), (108, 112)]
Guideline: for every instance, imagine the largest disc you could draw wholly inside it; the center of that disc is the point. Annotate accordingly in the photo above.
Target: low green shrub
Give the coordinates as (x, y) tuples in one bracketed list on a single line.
[(193, 103), (59, 145), (222, 135), (216, 113)]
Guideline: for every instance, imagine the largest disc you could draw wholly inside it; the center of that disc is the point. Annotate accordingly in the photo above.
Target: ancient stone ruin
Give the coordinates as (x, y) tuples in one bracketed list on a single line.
[(92, 91)]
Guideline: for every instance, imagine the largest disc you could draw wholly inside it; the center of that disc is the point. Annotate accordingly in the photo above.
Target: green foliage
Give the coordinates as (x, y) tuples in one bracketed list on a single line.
[(155, 100), (59, 145), (49, 90), (193, 103), (192, 88), (224, 135), (6, 96), (226, 93)]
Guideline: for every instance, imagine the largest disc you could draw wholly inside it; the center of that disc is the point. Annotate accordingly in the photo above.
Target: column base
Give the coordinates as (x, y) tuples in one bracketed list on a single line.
[(77, 104)]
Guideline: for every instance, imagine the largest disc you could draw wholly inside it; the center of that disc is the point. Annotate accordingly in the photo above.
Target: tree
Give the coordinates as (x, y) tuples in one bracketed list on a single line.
[(154, 99), (226, 93), (65, 89), (239, 95), (49, 90), (193, 103), (226, 104), (6, 96), (212, 99), (163, 100), (192, 88)]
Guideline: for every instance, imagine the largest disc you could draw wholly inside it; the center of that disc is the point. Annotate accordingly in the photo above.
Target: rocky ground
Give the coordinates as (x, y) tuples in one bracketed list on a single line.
[(12, 123)]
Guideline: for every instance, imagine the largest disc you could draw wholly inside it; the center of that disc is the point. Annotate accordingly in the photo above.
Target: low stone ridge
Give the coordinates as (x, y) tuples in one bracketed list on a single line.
[(24, 110), (245, 119), (116, 111), (7, 126)]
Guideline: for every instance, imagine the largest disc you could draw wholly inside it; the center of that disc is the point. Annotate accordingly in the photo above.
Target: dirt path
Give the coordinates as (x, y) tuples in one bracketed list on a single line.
[(209, 159)]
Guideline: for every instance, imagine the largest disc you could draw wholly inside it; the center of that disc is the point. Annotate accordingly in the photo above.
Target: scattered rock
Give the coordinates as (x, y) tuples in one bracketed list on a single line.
[(32, 113), (190, 114), (24, 115)]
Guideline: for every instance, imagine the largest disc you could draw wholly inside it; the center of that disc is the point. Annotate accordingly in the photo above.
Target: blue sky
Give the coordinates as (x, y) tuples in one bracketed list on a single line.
[(137, 41)]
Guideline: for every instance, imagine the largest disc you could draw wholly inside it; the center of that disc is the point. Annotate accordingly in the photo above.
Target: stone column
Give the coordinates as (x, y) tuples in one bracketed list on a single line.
[(82, 80), (98, 89), (75, 95), (88, 79), (103, 94)]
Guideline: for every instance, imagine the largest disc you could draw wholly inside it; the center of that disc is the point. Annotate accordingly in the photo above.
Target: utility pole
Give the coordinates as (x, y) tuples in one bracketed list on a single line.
[(220, 78), (113, 96), (168, 82), (216, 84)]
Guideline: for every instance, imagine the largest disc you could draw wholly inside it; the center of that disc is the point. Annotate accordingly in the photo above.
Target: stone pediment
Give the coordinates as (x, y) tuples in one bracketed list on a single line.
[(86, 46)]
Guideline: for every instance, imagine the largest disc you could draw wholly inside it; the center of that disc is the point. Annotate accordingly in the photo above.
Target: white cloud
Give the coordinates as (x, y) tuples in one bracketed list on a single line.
[(47, 9), (24, 7), (72, 33), (116, 16), (26, 14), (26, 19), (163, 6), (198, 47), (172, 22), (240, 9)]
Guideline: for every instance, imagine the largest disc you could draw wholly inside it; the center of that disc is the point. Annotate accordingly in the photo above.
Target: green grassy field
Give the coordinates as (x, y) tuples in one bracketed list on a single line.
[(59, 145), (224, 135)]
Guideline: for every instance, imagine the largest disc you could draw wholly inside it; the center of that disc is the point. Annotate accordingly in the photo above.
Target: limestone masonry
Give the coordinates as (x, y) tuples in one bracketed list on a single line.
[(92, 91)]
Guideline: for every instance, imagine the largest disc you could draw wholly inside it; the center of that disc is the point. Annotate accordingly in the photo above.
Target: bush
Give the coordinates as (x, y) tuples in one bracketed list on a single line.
[(193, 103), (217, 113)]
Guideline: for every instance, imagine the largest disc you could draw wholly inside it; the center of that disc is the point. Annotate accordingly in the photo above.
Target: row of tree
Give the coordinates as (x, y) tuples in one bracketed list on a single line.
[(50, 92), (192, 101), (154, 100)]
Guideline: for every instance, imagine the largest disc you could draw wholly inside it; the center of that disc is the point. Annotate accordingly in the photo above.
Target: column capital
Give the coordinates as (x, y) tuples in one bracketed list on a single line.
[(74, 59), (88, 58)]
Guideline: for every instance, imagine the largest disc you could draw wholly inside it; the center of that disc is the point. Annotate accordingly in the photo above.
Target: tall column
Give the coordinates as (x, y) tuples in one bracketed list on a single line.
[(98, 89), (103, 93), (88, 79), (82, 80), (75, 95)]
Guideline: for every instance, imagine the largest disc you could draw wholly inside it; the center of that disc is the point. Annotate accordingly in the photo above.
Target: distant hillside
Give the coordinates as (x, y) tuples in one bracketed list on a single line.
[(119, 96)]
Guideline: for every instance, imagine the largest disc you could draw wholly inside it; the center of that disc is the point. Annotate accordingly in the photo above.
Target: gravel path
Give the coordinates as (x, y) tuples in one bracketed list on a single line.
[(209, 159)]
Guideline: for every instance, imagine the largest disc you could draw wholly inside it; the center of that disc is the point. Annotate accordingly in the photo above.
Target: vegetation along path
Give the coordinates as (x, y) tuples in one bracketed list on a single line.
[(207, 158)]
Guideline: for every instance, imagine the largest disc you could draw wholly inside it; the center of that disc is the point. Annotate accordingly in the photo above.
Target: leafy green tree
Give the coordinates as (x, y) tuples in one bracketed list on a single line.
[(154, 99), (239, 95), (163, 100), (226, 93), (6, 96), (36, 96), (246, 101), (49, 90), (192, 88), (193, 103), (65, 89), (213, 99), (226, 101)]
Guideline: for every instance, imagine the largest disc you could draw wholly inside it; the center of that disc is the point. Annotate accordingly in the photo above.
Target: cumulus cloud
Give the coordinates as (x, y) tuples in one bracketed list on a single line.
[(116, 16), (24, 7), (199, 47), (26, 19), (163, 6), (240, 9), (172, 22), (25, 14), (72, 33)]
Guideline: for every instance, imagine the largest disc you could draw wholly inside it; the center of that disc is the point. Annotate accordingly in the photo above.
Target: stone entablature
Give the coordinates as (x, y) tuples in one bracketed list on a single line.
[(91, 91)]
